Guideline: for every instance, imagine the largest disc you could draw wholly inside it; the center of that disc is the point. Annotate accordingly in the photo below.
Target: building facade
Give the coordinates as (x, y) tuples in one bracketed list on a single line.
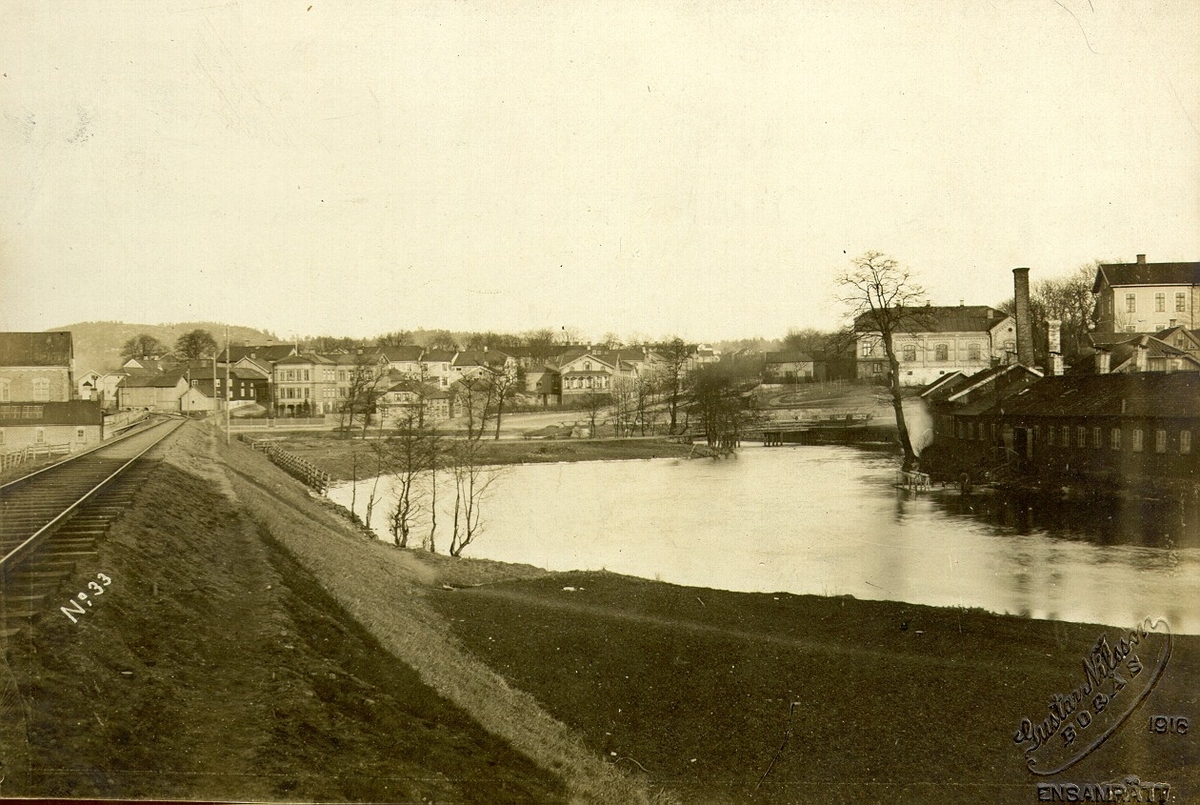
[(939, 341), (1143, 297)]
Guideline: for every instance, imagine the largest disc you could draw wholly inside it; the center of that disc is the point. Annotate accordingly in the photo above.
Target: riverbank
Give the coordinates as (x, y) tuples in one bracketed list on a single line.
[(346, 458), (274, 653)]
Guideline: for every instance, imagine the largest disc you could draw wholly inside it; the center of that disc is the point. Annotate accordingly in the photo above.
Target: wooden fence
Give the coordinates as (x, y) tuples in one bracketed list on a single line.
[(21, 456), (293, 465)]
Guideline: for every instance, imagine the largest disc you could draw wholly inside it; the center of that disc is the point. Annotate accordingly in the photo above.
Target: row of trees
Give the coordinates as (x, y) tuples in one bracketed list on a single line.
[(195, 345)]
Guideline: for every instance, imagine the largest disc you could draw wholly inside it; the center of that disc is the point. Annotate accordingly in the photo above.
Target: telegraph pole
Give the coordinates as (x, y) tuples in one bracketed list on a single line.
[(228, 388)]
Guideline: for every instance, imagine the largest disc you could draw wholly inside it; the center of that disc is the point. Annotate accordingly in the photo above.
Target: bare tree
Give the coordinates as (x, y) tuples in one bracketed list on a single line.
[(884, 300), (397, 338), (593, 402), (714, 398), (362, 395), (475, 396), (472, 479), (504, 386), (676, 353), (411, 456)]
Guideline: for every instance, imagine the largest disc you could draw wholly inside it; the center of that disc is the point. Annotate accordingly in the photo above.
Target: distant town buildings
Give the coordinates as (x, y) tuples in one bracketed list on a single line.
[(940, 341), (1143, 297)]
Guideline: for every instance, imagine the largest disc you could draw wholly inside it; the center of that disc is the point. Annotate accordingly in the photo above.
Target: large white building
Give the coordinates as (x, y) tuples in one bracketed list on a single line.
[(1146, 297), (939, 341)]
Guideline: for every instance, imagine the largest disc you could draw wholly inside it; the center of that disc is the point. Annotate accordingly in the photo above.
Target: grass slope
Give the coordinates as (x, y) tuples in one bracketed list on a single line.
[(693, 689), (215, 667)]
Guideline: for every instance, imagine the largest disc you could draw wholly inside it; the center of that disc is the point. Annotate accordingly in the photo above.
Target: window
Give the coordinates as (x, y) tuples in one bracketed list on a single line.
[(1114, 438), (1185, 440), (41, 389), (1050, 436), (587, 366), (306, 392), (1131, 328), (1137, 440), (39, 436), (1160, 441), (291, 374), (993, 431), (1, 435), (876, 369), (941, 353), (341, 375), (1081, 437), (1097, 438), (972, 352), (867, 349), (1160, 302), (305, 375), (910, 352), (970, 430), (79, 433), (1130, 303), (3, 391), (1066, 436), (1180, 303)]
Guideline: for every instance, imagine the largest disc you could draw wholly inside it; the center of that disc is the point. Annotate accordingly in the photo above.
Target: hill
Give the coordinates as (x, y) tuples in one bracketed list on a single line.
[(98, 343)]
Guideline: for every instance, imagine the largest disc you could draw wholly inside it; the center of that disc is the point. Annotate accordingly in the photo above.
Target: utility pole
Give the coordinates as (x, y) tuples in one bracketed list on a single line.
[(228, 388)]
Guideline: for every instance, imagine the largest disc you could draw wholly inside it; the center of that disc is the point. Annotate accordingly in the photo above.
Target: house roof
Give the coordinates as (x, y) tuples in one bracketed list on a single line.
[(437, 356), (1118, 275), (307, 358), (264, 352), (944, 386), (1144, 394), (408, 353), (159, 381), (943, 319), (996, 376), (74, 412), (35, 349), (788, 356)]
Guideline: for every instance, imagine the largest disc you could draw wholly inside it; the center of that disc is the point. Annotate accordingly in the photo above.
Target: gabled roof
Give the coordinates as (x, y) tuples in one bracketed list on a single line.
[(262, 352), (306, 358), (788, 356), (365, 358), (437, 356), (942, 319), (1145, 394), (1122, 354), (405, 354), (1118, 275), (161, 381), (997, 376), (944, 386), (590, 355), (35, 349)]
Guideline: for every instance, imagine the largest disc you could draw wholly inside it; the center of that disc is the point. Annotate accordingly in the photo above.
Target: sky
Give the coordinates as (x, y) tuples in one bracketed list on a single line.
[(644, 168)]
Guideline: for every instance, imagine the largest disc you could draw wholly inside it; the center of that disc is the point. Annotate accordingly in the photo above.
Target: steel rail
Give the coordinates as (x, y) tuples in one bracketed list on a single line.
[(131, 431), (14, 556)]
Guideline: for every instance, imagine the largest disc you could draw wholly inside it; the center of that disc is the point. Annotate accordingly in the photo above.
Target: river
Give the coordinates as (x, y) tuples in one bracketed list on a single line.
[(828, 521)]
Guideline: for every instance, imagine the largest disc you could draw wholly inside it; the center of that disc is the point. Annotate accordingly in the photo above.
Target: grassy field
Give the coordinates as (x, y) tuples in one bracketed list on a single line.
[(337, 456)]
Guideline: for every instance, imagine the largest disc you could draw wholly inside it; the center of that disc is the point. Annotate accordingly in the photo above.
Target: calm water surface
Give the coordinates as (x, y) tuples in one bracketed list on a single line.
[(828, 521)]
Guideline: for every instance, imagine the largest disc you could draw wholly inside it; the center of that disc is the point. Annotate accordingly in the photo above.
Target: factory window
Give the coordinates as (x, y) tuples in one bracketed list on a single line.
[(941, 352), (972, 352), (910, 353), (1137, 440), (1180, 303), (1185, 441), (1130, 303), (1081, 436), (1097, 438), (1114, 438), (1066, 436), (1160, 441), (1160, 302), (1050, 436)]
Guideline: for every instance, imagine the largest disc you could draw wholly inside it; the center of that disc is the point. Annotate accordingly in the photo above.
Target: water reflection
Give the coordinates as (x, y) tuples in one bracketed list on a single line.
[(828, 521)]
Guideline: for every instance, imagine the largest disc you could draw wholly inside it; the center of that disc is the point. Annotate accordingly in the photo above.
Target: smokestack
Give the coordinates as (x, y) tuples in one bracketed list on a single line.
[(1024, 326)]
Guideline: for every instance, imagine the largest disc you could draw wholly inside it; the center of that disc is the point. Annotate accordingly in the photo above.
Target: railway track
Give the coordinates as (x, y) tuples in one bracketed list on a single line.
[(51, 520)]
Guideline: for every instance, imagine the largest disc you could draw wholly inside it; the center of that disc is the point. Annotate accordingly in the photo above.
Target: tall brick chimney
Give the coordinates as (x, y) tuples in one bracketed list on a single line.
[(1024, 325)]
